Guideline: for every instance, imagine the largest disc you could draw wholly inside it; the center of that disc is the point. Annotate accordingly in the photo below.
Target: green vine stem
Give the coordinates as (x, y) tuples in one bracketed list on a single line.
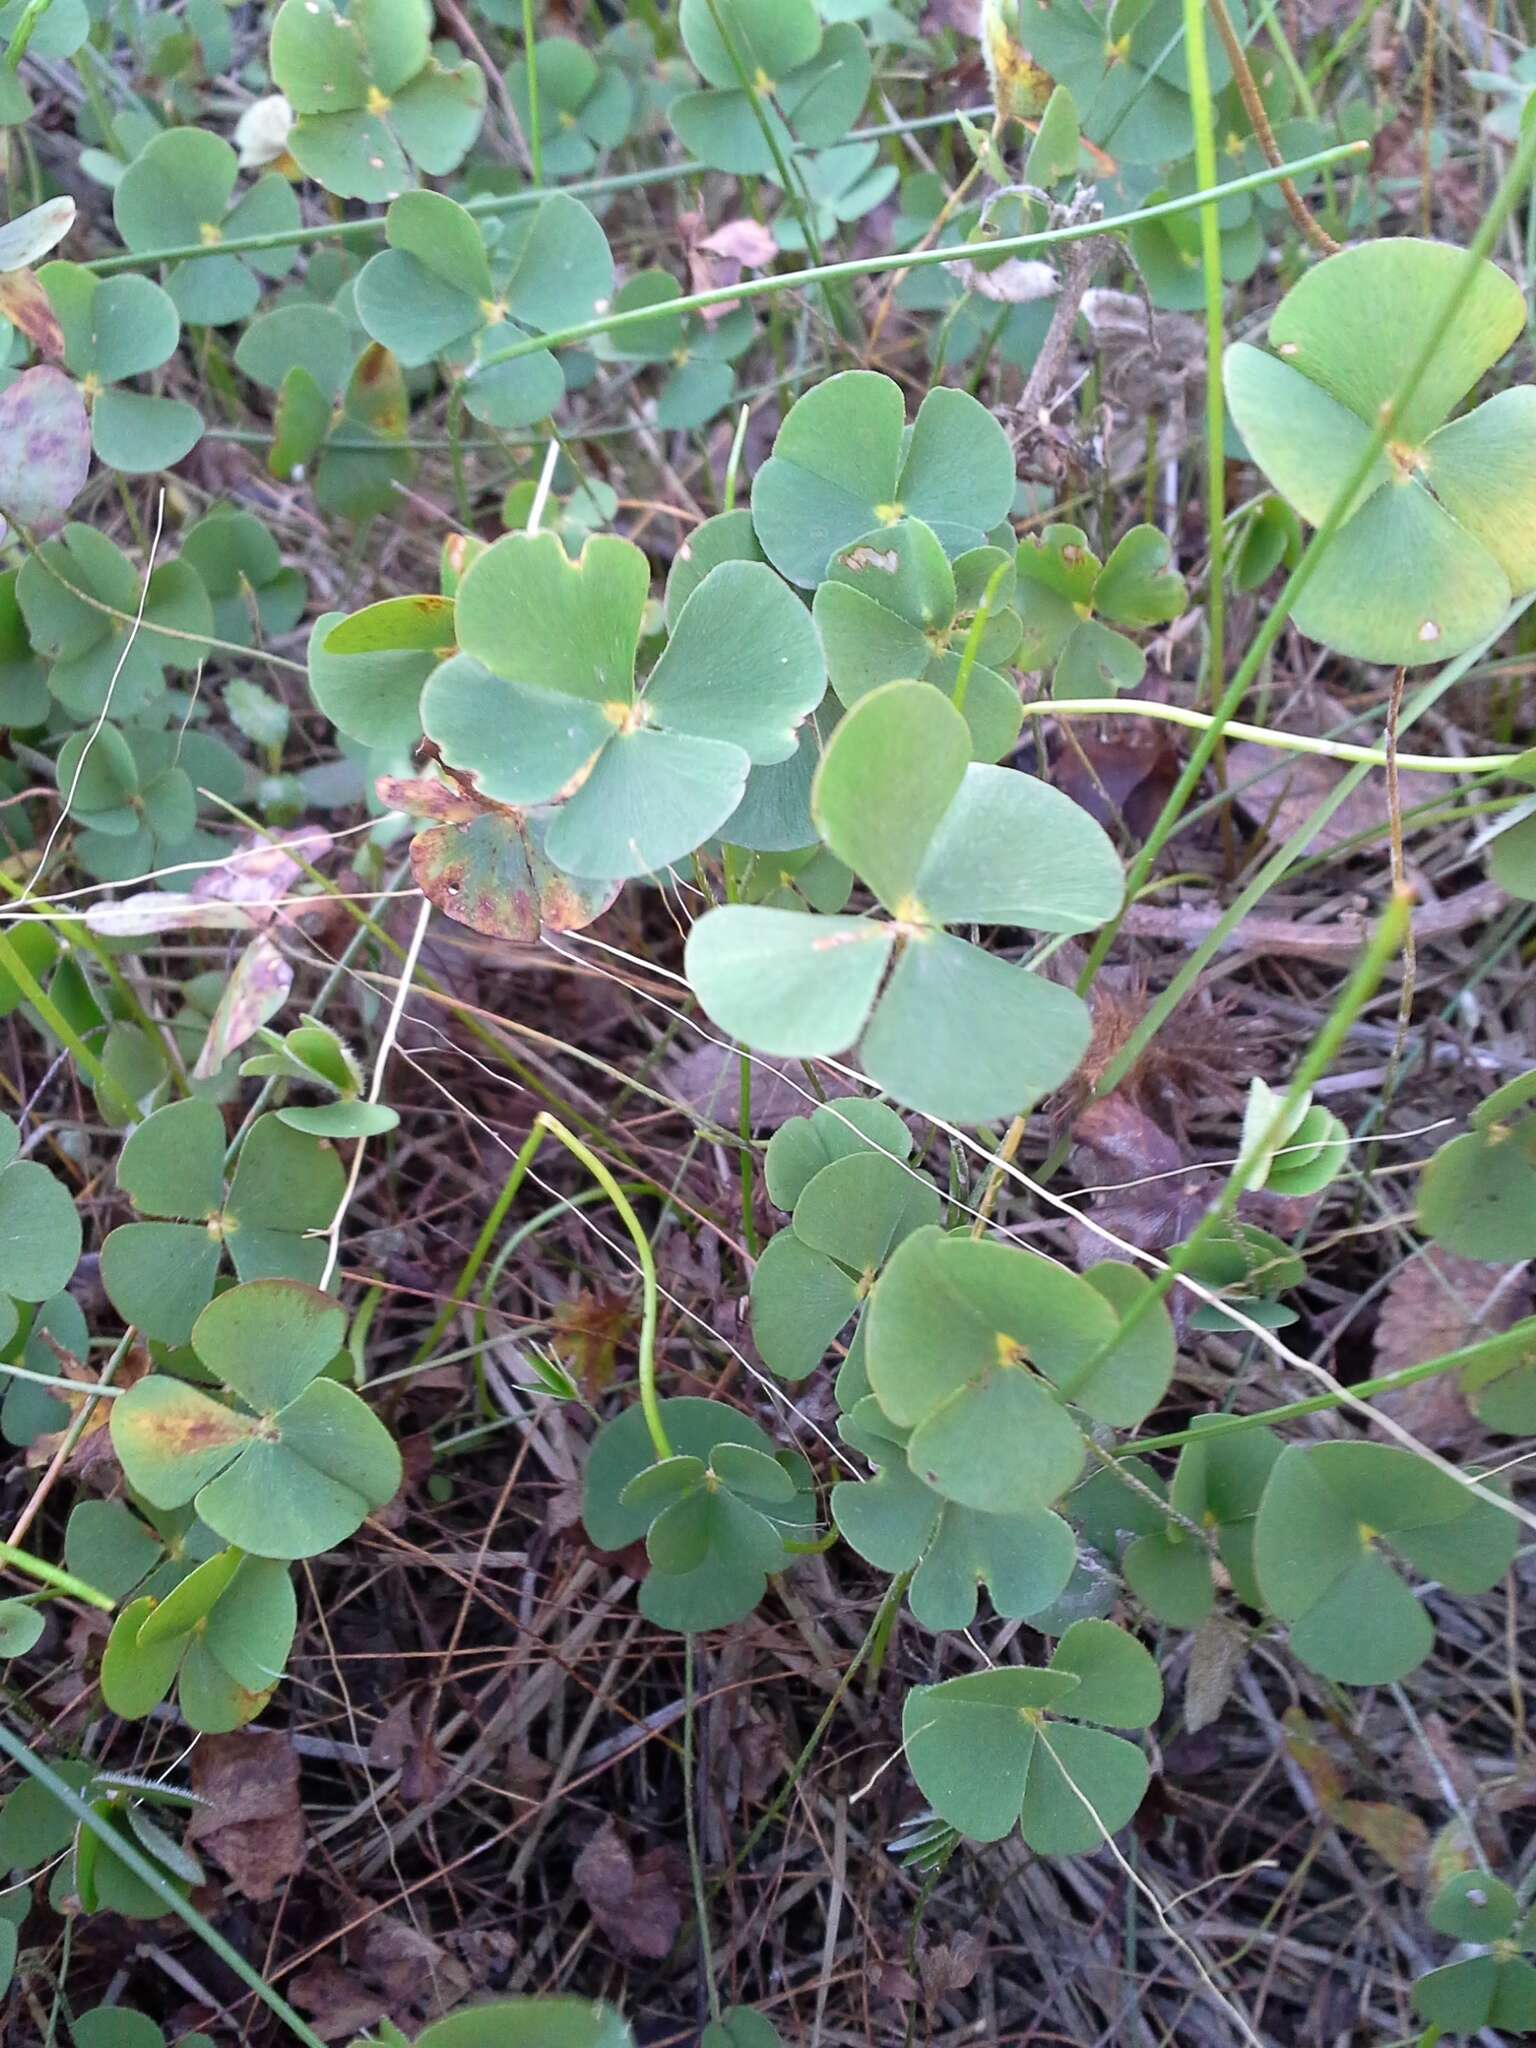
[(53, 1017), (650, 1294), (1518, 1342), (911, 259), (493, 204), (1215, 338), (1266, 736), (51, 1575)]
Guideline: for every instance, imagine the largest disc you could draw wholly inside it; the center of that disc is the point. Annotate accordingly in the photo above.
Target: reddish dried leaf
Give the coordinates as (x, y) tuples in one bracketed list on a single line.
[(254, 993), (252, 1824), (1434, 1304), (45, 448), (25, 304)]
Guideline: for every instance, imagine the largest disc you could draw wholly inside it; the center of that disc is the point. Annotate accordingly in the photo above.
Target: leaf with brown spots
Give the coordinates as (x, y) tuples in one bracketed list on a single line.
[(45, 448), (26, 305), (176, 1439), (252, 1825), (491, 875)]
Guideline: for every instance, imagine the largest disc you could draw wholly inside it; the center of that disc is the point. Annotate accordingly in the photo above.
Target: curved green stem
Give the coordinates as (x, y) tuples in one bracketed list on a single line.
[(50, 1575), (650, 1294), (1266, 736)]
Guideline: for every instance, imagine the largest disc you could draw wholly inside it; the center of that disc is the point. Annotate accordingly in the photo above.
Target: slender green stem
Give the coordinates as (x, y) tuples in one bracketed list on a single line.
[(488, 1235), (51, 1575), (1384, 945), (1274, 625), (650, 1294), (531, 60), (1266, 736), (1215, 402), (1518, 1342), (978, 627), (885, 1614), (690, 1819), (491, 204), (148, 1873), (32, 14), (788, 184), (911, 259), (53, 1017)]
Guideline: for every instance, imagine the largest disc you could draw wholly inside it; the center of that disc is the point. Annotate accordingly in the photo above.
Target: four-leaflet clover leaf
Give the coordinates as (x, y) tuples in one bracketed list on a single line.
[(542, 703), (68, 592), (1061, 589), (979, 1349), (767, 64), (115, 328), (293, 1469), (715, 1516), (1478, 1193), (1127, 73), (1496, 1988), (1327, 1510), (160, 1275), (1442, 533), (585, 106), (177, 191), (950, 1030), (811, 1278), (1009, 1748), (436, 290), (221, 1637), (898, 1524), (374, 105), (894, 607), (844, 463)]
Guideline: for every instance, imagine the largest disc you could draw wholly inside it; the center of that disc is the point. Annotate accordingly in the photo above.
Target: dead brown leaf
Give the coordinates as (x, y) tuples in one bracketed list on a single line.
[(1434, 1304), (339, 2005), (26, 305), (1215, 1658), (950, 1966), (634, 1901), (403, 1742), (252, 1824), (1281, 791)]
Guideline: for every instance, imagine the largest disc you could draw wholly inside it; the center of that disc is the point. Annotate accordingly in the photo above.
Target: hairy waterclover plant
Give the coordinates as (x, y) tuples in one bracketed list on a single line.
[(1127, 74), (714, 1516), (255, 594), (701, 352), (1327, 1512), (941, 1025), (1478, 1193), (286, 1185), (542, 702), (1063, 593), (844, 463), (898, 1524), (893, 606), (313, 1055), (327, 385), (848, 1218), (1299, 1153), (221, 1637), (839, 186), (115, 329), (68, 592), (177, 191), (586, 106), (1250, 1268), (436, 291), (136, 795), (40, 1233), (374, 105), (298, 1464), (1027, 1748), (1217, 1485), (38, 1831), (770, 70), (1496, 1988), (1442, 533), (982, 1350)]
